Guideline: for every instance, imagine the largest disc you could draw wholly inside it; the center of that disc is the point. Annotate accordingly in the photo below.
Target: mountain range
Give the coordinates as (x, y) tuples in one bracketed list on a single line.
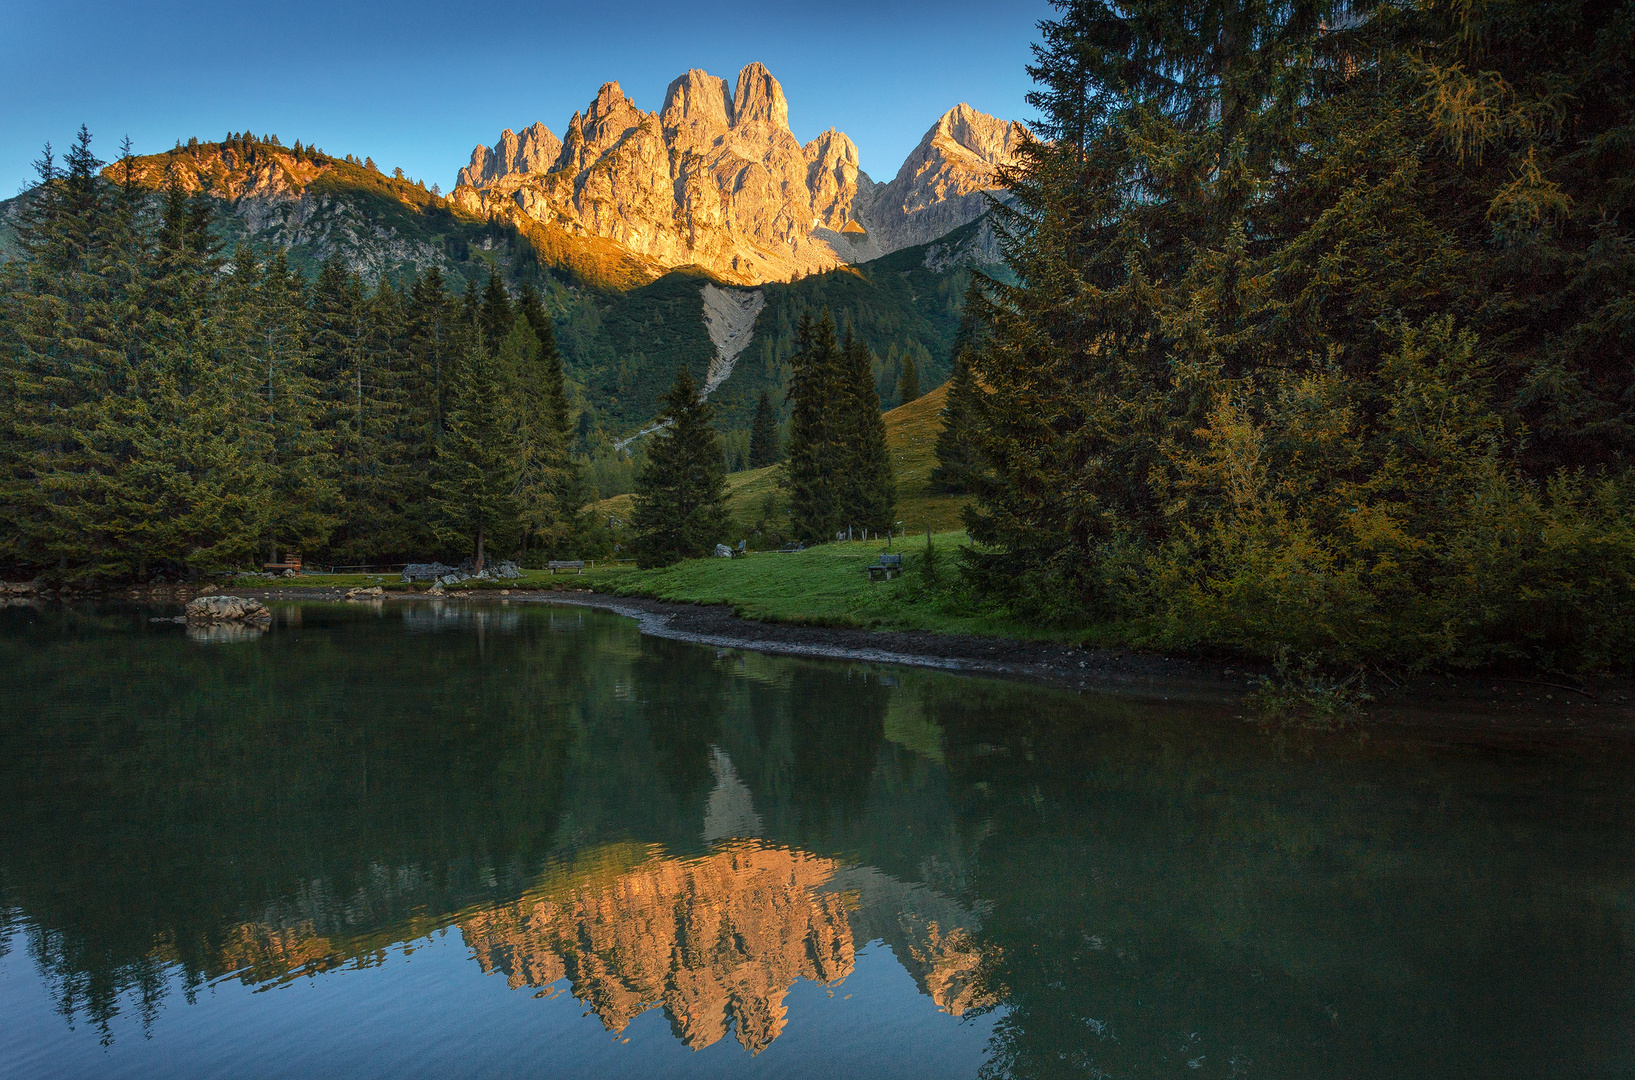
[(644, 231), (716, 179)]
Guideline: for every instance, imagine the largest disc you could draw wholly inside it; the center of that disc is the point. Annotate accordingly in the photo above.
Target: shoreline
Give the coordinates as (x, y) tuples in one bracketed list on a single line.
[(1513, 713)]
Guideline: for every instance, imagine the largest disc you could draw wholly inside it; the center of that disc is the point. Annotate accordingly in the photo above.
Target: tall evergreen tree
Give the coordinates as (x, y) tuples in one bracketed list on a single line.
[(680, 509), (477, 460), (496, 312), (868, 488), (908, 382), (763, 434), (814, 454), (1292, 331), (558, 469), (959, 461)]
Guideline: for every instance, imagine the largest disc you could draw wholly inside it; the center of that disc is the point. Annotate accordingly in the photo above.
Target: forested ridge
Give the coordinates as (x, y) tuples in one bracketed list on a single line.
[(1322, 332), (167, 409)]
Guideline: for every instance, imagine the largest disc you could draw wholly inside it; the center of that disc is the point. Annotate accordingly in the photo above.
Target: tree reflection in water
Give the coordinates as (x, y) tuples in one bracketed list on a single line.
[(1126, 890)]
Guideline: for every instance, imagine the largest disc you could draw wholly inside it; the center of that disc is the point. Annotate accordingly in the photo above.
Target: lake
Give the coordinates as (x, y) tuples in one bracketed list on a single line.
[(460, 840)]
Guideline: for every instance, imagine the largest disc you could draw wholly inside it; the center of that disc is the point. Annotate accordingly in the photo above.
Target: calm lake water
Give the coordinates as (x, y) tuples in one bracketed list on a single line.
[(509, 841)]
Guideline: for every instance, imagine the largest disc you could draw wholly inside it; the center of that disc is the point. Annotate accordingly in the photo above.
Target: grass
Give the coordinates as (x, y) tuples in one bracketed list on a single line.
[(827, 586), (911, 440), (602, 575)]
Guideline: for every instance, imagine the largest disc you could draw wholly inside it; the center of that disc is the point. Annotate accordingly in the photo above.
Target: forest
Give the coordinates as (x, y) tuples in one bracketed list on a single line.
[(1321, 333), (169, 409)]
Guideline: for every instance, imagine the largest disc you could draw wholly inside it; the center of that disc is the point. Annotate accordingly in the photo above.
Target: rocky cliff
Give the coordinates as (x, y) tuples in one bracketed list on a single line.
[(716, 179), (315, 205)]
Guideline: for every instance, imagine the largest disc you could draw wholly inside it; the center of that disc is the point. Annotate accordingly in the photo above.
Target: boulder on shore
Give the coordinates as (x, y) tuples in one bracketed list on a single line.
[(365, 594), (227, 609)]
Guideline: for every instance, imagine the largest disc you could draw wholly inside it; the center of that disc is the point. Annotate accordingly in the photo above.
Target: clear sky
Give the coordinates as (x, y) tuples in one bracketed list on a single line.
[(418, 84)]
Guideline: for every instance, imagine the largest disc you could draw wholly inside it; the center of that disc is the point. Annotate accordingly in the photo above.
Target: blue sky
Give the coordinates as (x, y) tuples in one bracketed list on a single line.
[(417, 84)]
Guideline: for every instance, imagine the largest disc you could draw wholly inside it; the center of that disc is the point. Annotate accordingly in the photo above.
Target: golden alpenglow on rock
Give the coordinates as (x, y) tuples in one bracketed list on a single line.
[(716, 179), (717, 941)]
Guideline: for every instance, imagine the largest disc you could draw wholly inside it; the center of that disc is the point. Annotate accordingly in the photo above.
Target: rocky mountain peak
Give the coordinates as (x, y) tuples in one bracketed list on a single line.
[(986, 138), (533, 151), (717, 179), (759, 100), (697, 100)]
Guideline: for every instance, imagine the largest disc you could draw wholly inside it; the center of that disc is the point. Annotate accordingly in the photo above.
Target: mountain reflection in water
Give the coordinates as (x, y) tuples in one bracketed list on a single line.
[(718, 940), (1013, 881)]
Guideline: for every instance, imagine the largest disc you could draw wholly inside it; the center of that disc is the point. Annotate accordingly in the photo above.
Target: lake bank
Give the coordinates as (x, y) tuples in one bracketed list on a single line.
[(1504, 711)]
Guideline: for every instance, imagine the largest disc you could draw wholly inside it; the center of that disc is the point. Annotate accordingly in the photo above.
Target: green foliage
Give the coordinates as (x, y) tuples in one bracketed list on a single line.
[(959, 462), (908, 383), (168, 412), (680, 507), (1299, 349), (763, 438), (478, 458), (868, 490), (1304, 695)]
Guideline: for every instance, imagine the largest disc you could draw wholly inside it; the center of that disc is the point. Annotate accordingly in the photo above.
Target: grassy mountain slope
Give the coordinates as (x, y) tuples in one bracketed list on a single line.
[(755, 502)]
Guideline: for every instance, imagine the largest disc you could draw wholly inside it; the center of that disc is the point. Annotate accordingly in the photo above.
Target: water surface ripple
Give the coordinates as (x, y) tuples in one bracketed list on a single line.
[(514, 840)]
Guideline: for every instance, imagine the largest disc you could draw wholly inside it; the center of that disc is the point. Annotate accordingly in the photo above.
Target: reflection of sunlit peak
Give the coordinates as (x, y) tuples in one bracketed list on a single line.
[(715, 941), (730, 812)]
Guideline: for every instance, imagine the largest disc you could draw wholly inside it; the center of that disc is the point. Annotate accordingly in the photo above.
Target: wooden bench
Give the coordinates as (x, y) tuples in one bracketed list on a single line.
[(888, 565), (576, 565), (292, 561)]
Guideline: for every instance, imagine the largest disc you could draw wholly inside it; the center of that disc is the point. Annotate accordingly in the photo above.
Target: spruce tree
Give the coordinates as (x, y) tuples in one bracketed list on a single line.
[(959, 462), (433, 336), (814, 456), (763, 434), (868, 487), (477, 460), (680, 510), (496, 313), (908, 383)]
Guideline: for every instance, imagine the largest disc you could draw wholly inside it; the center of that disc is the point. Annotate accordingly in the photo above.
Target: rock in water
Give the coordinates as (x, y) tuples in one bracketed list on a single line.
[(371, 593), (227, 609)]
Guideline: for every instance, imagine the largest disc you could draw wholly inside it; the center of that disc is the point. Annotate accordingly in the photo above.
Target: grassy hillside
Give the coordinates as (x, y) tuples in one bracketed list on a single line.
[(911, 440)]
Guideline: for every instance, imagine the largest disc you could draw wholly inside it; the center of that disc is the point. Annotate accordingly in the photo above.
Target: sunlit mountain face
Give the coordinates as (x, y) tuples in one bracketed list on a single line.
[(482, 840)]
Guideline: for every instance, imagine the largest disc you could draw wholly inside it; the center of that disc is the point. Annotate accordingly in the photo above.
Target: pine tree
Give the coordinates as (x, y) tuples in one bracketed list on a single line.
[(868, 488), (496, 313), (908, 383), (680, 510), (959, 461), (815, 425), (267, 342), (763, 435), (477, 460)]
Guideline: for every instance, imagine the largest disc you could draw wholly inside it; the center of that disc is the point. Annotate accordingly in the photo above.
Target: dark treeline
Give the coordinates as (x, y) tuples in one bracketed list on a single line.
[(837, 472), (1323, 331), (165, 409)]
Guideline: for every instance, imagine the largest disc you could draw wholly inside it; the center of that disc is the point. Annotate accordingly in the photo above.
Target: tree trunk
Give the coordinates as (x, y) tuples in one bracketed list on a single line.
[(479, 567)]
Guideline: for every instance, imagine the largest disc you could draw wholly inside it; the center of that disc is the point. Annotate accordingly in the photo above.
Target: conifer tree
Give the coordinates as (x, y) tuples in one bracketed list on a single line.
[(496, 313), (680, 510), (763, 434), (477, 460), (563, 485), (814, 454), (959, 462), (868, 488), (908, 383)]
